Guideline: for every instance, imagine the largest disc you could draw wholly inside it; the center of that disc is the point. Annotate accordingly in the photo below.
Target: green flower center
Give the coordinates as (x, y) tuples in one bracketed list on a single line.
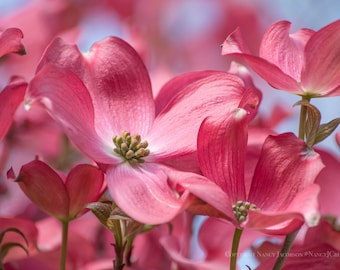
[(241, 209), (131, 148)]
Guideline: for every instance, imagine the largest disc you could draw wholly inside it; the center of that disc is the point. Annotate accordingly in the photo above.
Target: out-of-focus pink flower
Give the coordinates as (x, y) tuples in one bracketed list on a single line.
[(11, 41), (281, 195), (10, 98), (103, 100), (60, 196), (214, 247), (305, 63)]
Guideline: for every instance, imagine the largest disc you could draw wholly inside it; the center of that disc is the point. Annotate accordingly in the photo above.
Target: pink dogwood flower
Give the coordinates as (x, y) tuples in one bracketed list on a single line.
[(103, 100), (306, 63), (278, 198), (63, 197)]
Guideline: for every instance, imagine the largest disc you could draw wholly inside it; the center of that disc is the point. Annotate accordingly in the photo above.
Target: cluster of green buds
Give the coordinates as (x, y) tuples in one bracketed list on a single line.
[(241, 208), (131, 148)]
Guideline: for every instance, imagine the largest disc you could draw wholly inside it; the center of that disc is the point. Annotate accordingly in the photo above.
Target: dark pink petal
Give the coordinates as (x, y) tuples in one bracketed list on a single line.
[(303, 209), (322, 55), (175, 86), (273, 223), (175, 129), (143, 193), (221, 151), (44, 187), (123, 86), (69, 102), (10, 99), (285, 168), (10, 41), (277, 78), (204, 189), (117, 80), (84, 184), (284, 50)]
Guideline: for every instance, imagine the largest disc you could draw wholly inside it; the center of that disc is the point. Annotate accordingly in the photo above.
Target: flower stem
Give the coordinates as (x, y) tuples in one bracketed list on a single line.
[(285, 249), (64, 244), (234, 248), (303, 116)]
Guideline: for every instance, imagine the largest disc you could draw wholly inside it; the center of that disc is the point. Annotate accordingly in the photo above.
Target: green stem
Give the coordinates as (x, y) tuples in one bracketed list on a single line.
[(234, 248), (64, 244), (303, 116), (285, 250)]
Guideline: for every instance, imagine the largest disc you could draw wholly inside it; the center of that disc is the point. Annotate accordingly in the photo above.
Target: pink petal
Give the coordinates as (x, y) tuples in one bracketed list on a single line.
[(176, 85), (277, 78), (322, 69), (221, 150), (44, 187), (273, 223), (285, 168), (175, 129), (70, 104), (284, 50), (84, 184), (117, 80), (10, 99), (303, 209), (143, 193), (206, 190), (123, 85), (10, 41)]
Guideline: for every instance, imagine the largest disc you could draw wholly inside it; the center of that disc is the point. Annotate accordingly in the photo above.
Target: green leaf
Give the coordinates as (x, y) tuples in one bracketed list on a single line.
[(101, 210), (326, 129)]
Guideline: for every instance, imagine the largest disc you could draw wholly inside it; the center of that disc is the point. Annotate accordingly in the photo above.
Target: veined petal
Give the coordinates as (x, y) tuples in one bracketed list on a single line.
[(221, 151), (84, 184), (285, 168), (206, 190), (175, 129), (123, 87), (10, 99), (69, 102), (272, 73), (10, 41), (143, 193), (302, 209), (321, 73), (44, 187), (176, 85), (117, 80), (284, 50)]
